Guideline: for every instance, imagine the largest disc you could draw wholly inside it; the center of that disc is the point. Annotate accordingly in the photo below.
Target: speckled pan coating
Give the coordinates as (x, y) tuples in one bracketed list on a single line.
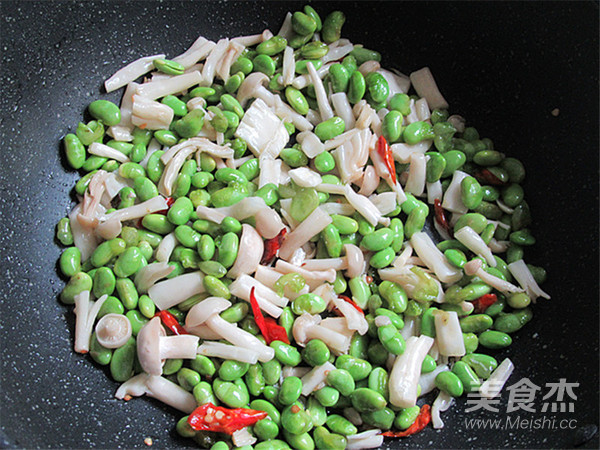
[(504, 66)]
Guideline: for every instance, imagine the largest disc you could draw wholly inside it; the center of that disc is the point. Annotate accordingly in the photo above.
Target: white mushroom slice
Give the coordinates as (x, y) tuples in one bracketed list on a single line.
[(494, 384), (452, 198), (470, 239), (131, 72), (86, 312), (105, 151), (153, 346), (171, 292), (355, 260), (241, 289), (523, 275), (423, 82), (354, 319), (250, 252), (197, 52), (219, 350), (448, 333), (316, 376), (434, 259), (312, 225), (306, 327), (405, 373), (113, 330), (148, 275), (149, 114)]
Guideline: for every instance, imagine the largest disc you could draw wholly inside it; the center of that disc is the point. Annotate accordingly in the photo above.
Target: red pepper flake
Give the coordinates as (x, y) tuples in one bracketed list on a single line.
[(209, 417), (272, 246), (419, 424), (369, 279), (295, 409), (484, 302), (170, 201), (440, 215), (487, 177), (269, 328), (386, 154), (170, 322)]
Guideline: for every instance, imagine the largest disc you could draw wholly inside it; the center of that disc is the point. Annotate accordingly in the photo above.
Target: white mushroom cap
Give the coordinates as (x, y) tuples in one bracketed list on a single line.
[(302, 324), (204, 310), (148, 346), (113, 330)]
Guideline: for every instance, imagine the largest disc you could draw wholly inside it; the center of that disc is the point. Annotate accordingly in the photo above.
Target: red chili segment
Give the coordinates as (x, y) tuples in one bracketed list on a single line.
[(484, 302), (170, 322), (487, 177), (209, 417), (440, 215), (418, 425), (272, 246), (268, 327), (386, 154)]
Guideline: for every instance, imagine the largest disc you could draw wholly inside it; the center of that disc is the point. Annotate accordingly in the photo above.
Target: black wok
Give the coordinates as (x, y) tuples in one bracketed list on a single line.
[(504, 66)]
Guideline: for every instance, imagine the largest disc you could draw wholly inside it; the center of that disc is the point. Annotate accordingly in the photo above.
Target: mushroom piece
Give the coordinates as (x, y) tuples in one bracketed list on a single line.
[(254, 87), (306, 327), (473, 267), (250, 253), (207, 312), (113, 330), (153, 346), (159, 388), (86, 312)]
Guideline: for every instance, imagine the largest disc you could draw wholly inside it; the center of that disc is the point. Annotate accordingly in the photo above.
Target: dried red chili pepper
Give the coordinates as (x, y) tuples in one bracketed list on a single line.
[(269, 328), (271, 247), (170, 322), (484, 302), (383, 149), (487, 177), (209, 417), (418, 425), (440, 215)]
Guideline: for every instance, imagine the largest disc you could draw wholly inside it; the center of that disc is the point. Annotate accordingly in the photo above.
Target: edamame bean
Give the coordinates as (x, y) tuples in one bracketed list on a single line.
[(265, 430), (233, 394), (471, 192), (483, 365), (187, 236), (106, 251), (416, 220), (272, 46), (121, 363), (293, 157), (391, 339), (341, 380), (63, 231), (340, 425), (357, 87), (303, 24), (522, 237), (392, 126), (232, 370), (518, 300), (360, 291), (455, 159), (296, 100), (255, 381), (476, 221), (367, 400), (191, 124), (316, 353), (285, 353), (327, 396), (216, 287), (377, 86), (112, 305), (128, 262), (70, 261), (157, 223), (324, 162), (203, 393), (332, 240), (339, 76), (514, 168), (416, 132), (512, 195), (378, 240), (104, 282), (362, 55), (91, 132), (494, 339), (382, 419), (235, 313), (179, 108), (228, 249), (203, 365), (188, 378), (449, 383), (74, 151), (295, 420), (456, 257), (332, 26), (180, 211), (100, 354), (168, 66), (400, 103), (488, 158), (154, 166), (330, 128), (144, 188), (290, 391), (476, 323), (378, 381), (406, 417), (358, 368), (127, 292), (428, 365), (206, 247)]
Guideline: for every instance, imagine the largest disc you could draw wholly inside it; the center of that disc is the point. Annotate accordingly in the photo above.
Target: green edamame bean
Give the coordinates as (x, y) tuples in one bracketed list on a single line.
[(341, 380), (206, 247), (265, 64), (146, 306), (340, 425), (203, 365), (121, 363), (232, 370), (228, 249), (397, 228), (400, 102), (151, 238), (63, 232), (428, 322), (158, 223), (330, 128), (471, 192), (106, 251), (272, 444), (316, 411), (189, 125), (483, 365), (467, 376), (295, 420), (112, 305), (216, 287), (255, 381), (324, 162), (165, 137), (250, 170), (100, 354), (488, 158), (378, 240), (233, 394), (316, 353), (179, 108), (476, 221), (332, 241), (395, 318), (272, 46), (494, 339), (382, 258), (367, 400), (490, 193), (332, 26), (293, 157), (360, 291), (519, 300), (514, 169), (449, 383), (168, 66), (357, 87), (269, 408), (144, 188), (339, 76), (74, 151), (345, 225), (377, 86), (154, 166), (286, 354), (378, 381), (382, 419), (417, 132), (476, 323), (522, 237), (286, 320), (301, 67), (265, 430), (180, 212), (358, 368), (91, 132), (182, 185), (406, 417), (201, 179), (184, 429), (377, 353), (188, 378), (326, 440), (392, 126), (187, 236), (512, 195), (510, 323), (203, 393), (70, 261), (128, 262), (416, 221), (290, 391), (271, 371), (428, 364), (455, 159), (391, 339), (358, 346), (104, 282), (127, 292), (514, 253), (303, 24), (296, 100), (82, 184), (303, 203), (228, 196), (456, 257), (235, 313), (327, 396), (362, 55)]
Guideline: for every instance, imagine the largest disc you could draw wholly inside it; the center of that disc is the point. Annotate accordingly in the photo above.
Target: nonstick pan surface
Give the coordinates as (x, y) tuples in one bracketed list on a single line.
[(504, 66)]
